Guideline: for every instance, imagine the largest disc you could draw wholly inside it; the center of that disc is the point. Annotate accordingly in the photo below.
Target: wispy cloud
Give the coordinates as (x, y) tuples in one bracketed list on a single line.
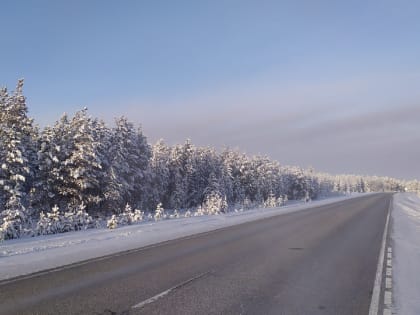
[(334, 126)]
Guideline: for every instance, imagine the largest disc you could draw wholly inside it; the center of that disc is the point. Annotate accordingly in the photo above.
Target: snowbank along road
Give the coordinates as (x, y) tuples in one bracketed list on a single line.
[(405, 258), (322, 260)]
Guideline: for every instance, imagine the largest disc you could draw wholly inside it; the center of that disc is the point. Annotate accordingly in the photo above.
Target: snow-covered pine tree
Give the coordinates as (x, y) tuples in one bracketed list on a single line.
[(176, 214), (129, 156), (271, 201), (137, 216), (232, 162), (214, 204), (247, 204), (102, 135), (298, 184), (12, 224), (81, 219), (159, 212), (126, 217), (55, 221), (200, 211), (159, 164), (112, 223), (213, 186), (141, 163), (55, 148), (280, 201), (84, 164), (42, 224), (18, 159), (178, 181)]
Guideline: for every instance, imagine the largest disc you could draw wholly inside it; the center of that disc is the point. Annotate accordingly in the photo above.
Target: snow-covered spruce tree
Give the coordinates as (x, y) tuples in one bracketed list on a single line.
[(18, 160)]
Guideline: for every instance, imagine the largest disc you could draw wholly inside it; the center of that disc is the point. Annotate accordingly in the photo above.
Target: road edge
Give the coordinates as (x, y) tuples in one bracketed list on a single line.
[(374, 304)]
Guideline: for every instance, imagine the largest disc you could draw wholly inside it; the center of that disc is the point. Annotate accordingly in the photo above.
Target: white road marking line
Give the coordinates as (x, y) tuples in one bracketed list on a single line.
[(388, 283), (166, 292), (389, 262), (389, 249), (374, 303), (389, 271), (387, 312), (389, 255), (152, 299), (388, 298)]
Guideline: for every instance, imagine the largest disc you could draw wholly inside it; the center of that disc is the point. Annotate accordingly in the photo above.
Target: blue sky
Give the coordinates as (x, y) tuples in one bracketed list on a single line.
[(329, 84)]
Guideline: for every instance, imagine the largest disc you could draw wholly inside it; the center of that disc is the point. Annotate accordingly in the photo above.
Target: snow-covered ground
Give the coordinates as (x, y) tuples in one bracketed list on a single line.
[(25, 256), (406, 239)]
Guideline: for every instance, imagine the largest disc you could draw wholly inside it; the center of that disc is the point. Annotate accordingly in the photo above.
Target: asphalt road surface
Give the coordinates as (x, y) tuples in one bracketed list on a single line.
[(317, 261)]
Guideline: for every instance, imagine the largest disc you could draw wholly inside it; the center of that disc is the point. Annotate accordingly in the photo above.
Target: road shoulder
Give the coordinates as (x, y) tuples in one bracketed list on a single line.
[(406, 239)]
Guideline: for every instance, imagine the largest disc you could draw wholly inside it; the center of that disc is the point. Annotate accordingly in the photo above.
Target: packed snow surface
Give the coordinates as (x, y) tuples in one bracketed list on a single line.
[(28, 255), (406, 239)]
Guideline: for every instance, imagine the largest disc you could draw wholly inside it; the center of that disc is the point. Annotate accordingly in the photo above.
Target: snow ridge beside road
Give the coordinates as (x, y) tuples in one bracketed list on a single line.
[(25, 256), (406, 238)]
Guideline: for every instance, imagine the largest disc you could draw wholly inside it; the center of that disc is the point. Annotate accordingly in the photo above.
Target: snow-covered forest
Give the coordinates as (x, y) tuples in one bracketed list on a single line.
[(78, 171)]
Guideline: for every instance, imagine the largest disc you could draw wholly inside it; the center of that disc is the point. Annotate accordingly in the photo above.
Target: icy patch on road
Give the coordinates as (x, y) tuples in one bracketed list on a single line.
[(406, 238), (28, 255)]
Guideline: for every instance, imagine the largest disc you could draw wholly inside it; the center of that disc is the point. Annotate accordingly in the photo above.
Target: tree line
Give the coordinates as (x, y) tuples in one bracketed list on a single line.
[(81, 163)]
